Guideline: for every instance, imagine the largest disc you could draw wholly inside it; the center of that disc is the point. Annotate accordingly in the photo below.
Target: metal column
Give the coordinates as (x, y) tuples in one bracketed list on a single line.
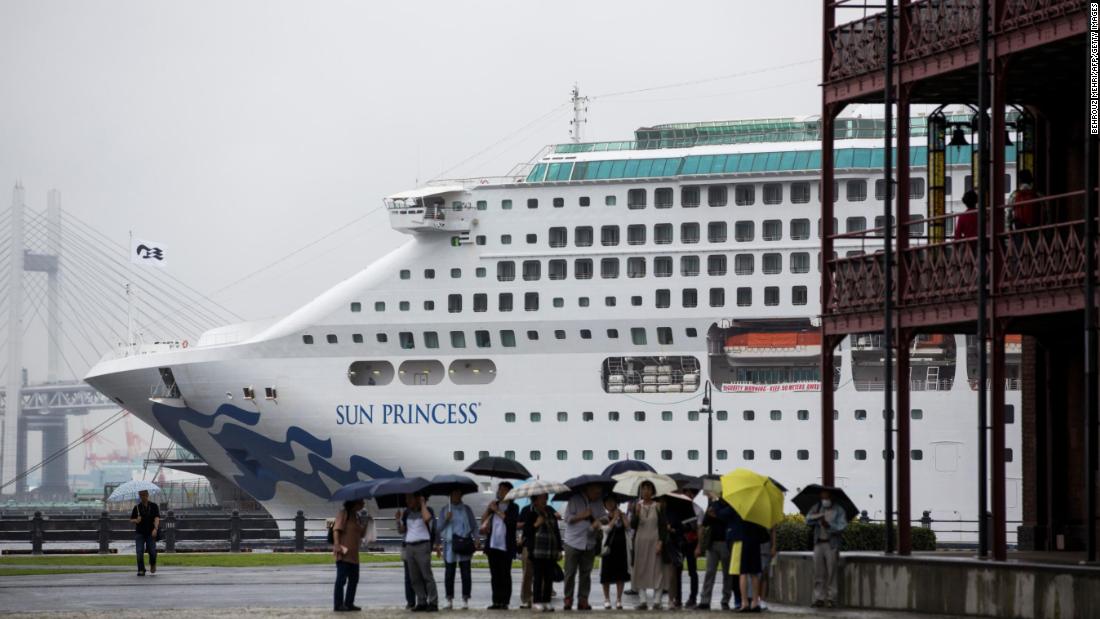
[(888, 281), (903, 335), (983, 276), (1092, 176), (14, 380), (995, 193)]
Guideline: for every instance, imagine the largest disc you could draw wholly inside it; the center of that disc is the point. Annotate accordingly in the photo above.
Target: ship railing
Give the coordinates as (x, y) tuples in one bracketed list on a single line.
[(914, 385), (1011, 384), (950, 531)]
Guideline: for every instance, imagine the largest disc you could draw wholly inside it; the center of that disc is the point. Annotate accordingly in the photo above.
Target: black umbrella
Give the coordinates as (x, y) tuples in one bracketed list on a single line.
[(687, 482), (575, 484), (355, 490), (390, 493), (622, 466), (811, 495), (496, 466), (781, 487), (443, 485)]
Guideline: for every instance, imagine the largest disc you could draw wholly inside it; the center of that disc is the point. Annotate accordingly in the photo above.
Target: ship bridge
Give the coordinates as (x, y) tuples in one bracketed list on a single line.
[(435, 208)]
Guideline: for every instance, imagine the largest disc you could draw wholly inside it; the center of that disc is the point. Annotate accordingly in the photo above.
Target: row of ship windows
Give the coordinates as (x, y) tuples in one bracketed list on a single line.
[(693, 454), (663, 266), (689, 298), (722, 415), (744, 194), (483, 338), (744, 231)]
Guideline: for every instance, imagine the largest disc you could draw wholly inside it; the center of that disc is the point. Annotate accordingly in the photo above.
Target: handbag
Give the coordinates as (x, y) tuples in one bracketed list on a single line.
[(462, 545), (608, 541), (559, 574)]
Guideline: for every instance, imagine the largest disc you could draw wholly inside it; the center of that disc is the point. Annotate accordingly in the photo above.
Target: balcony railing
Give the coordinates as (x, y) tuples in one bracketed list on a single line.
[(1044, 258), (935, 26)]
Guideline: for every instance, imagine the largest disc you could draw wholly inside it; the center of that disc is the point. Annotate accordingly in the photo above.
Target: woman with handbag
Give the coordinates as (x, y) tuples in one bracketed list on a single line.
[(457, 546), (348, 531), (613, 564), (541, 533)]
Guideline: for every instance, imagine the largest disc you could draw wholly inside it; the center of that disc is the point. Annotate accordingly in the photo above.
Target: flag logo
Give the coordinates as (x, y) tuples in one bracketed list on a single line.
[(148, 253)]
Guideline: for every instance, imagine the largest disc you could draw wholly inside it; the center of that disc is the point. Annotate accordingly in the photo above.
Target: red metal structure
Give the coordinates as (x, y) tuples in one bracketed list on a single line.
[(1038, 281)]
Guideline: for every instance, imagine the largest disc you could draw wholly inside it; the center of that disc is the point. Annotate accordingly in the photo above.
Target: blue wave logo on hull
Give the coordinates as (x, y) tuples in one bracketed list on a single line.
[(265, 461)]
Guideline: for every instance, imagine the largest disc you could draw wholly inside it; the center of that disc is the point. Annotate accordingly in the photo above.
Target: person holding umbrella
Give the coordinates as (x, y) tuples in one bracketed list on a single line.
[(613, 563), (146, 519), (348, 532), (498, 524), (647, 518), (416, 524), (828, 522), (540, 532), (457, 546)]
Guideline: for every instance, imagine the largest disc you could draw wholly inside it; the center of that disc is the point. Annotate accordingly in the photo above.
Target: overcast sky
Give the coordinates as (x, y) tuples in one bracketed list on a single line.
[(237, 132)]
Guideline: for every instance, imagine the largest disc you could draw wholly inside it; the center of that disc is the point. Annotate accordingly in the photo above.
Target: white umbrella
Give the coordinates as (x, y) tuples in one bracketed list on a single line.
[(629, 482), (129, 490), (535, 488)]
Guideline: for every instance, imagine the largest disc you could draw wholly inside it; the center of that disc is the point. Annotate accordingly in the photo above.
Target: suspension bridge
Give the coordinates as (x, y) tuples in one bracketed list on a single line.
[(69, 293)]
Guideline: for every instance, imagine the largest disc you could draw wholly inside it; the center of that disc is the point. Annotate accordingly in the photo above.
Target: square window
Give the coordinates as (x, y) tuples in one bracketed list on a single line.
[(509, 417), (664, 336), (612, 334), (803, 454), (532, 239), (800, 229), (722, 454), (562, 454), (772, 230), (508, 338), (559, 301), (860, 454), (429, 273), (479, 239), (307, 339), (860, 414), (800, 193), (506, 205), (379, 306), (639, 454), (917, 413), (771, 296), (691, 332), (609, 200), (431, 339), (689, 233), (716, 232), (559, 202), (533, 335), (479, 272), (531, 301), (582, 301), (382, 338), (586, 334), (744, 195), (636, 198), (536, 417), (459, 456), (716, 265), (689, 298), (772, 263), (357, 338), (717, 195), (532, 202), (666, 454), (454, 303), (662, 197), (798, 295), (609, 301), (717, 297), (748, 415), (856, 190), (693, 415), (744, 264), (612, 454), (613, 415), (693, 454), (504, 302), (588, 416), (916, 454), (744, 297), (406, 340), (636, 301), (637, 335), (481, 338), (689, 197), (639, 415), (535, 455), (404, 274), (586, 454), (356, 306), (744, 231), (773, 193), (585, 201), (331, 338), (666, 415), (776, 415), (506, 239), (748, 454), (803, 415), (482, 205), (559, 334), (563, 416), (403, 306)]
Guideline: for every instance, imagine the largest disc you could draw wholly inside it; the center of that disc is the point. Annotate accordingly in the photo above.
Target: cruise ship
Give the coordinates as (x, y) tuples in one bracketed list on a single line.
[(571, 314)]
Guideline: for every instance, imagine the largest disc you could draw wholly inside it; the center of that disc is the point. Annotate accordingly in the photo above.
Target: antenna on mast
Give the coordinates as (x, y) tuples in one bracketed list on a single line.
[(580, 114)]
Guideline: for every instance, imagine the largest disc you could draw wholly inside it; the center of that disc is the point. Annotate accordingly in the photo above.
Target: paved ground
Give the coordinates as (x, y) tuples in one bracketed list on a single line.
[(291, 592)]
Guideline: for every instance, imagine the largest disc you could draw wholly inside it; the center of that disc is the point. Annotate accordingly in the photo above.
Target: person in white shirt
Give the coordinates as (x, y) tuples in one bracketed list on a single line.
[(582, 521), (498, 524), (416, 524)]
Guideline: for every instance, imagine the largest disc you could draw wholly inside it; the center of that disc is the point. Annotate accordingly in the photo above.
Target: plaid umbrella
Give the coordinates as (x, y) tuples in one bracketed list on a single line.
[(535, 488), (129, 490)]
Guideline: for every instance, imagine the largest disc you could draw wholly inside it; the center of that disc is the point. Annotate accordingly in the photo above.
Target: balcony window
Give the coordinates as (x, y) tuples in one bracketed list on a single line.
[(662, 234), (481, 338), (743, 264), (716, 264), (880, 189), (744, 195), (609, 236), (454, 303), (744, 297), (635, 234), (772, 263), (458, 339), (916, 188), (481, 302), (916, 225), (635, 198), (532, 270), (582, 268), (689, 298), (689, 266), (716, 232), (664, 337), (635, 267), (559, 237), (773, 193), (717, 195), (663, 300), (508, 338), (856, 190), (800, 229), (771, 296), (717, 297), (609, 268), (800, 262), (504, 303), (557, 269), (800, 192), (582, 236), (689, 197), (689, 233), (855, 224), (506, 271), (531, 301), (662, 197), (431, 339), (637, 336), (744, 231), (772, 230), (662, 266)]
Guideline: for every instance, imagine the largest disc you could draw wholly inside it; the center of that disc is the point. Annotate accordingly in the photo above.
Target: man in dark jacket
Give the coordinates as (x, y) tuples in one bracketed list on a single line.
[(146, 519), (717, 519), (498, 523)]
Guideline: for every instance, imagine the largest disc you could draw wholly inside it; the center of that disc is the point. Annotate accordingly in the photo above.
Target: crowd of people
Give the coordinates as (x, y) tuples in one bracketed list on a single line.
[(646, 541)]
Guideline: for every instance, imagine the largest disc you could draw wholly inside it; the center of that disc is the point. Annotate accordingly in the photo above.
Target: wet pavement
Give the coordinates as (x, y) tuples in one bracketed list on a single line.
[(295, 592)]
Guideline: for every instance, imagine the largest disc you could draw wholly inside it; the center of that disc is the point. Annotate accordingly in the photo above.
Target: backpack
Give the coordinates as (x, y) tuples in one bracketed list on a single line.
[(1027, 215)]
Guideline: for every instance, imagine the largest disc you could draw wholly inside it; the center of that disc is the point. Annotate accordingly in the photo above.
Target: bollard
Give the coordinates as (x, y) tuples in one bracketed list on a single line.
[(104, 533), (926, 519), (37, 533), (170, 532), (863, 517), (299, 532), (235, 532)]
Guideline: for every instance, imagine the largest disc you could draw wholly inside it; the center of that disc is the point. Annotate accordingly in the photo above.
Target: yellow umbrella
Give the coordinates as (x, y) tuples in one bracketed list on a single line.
[(755, 497)]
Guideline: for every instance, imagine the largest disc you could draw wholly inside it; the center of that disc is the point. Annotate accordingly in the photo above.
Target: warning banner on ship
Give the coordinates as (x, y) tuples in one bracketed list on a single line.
[(750, 388)]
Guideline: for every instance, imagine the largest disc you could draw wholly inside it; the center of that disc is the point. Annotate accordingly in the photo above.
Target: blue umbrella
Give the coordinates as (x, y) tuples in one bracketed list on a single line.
[(355, 490), (622, 466), (129, 490)]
